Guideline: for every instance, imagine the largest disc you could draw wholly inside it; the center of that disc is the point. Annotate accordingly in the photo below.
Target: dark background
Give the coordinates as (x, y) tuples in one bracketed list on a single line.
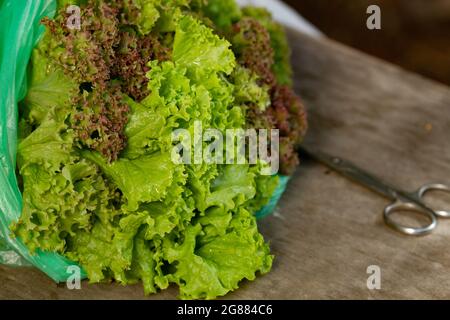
[(415, 34)]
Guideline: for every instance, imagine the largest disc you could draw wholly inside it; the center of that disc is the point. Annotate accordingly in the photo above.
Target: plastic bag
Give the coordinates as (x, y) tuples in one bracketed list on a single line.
[(272, 205), (20, 31)]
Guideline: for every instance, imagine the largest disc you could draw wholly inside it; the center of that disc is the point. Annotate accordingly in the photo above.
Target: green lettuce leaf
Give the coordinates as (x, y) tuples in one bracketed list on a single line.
[(50, 144), (223, 13), (247, 90), (197, 47), (146, 179), (57, 204), (233, 187), (208, 270), (142, 13), (144, 130)]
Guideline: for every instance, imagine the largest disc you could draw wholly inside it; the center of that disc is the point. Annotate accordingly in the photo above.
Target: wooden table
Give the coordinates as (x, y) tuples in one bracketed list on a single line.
[(328, 230)]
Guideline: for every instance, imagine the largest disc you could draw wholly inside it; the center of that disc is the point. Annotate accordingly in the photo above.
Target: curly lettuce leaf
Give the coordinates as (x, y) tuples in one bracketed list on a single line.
[(239, 253), (144, 129), (145, 179), (53, 92), (233, 187), (48, 88), (247, 90), (211, 269), (57, 204), (279, 42), (223, 13), (107, 247), (50, 144), (197, 47), (175, 97), (142, 13)]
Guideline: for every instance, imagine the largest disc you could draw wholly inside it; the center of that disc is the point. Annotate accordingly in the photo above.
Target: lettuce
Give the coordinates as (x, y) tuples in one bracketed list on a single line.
[(145, 128), (233, 186), (223, 13), (210, 269), (247, 91), (145, 179), (282, 53), (142, 13), (136, 215), (196, 46), (50, 144)]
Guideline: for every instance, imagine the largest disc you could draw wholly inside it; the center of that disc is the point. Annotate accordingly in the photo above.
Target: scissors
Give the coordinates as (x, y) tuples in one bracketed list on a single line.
[(402, 201)]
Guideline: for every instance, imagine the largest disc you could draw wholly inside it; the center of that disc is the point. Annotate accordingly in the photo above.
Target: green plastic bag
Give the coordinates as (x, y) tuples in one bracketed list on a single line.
[(20, 31), (272, 205)]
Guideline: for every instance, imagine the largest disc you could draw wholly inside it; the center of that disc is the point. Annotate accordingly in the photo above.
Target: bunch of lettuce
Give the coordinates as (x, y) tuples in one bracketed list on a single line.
[(94, 156)]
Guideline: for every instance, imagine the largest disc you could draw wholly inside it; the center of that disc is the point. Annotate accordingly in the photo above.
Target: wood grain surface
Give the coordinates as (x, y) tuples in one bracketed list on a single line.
[(328, 230)]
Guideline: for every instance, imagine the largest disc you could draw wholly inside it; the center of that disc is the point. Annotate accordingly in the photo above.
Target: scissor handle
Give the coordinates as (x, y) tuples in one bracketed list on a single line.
[(435, 187), (409, 206)]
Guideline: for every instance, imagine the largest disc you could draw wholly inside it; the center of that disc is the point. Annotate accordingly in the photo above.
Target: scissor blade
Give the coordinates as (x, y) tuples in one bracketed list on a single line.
[(351, 171)]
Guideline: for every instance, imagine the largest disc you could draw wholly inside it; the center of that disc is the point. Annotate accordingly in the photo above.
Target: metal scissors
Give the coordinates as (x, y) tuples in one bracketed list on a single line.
[(402, 201)]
